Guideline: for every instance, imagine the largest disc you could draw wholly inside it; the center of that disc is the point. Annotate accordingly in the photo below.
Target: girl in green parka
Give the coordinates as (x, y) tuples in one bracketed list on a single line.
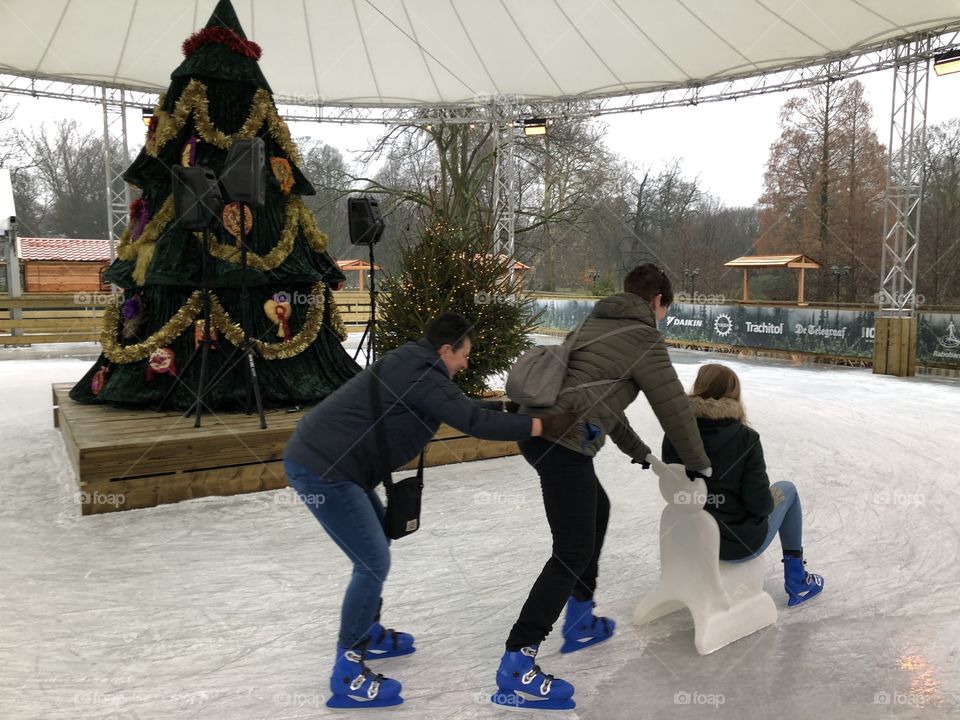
[(748, 510)]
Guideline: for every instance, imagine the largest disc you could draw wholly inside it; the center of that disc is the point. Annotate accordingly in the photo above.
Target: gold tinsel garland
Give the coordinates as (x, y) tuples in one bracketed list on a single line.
[(221, 320), (298, 217), (274, 351), (336, 320), (181, 320), (127, 249), (194, 100)]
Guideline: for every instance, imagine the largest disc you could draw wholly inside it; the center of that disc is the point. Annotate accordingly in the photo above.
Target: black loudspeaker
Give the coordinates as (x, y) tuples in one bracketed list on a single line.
[(197, 203), (244, 175), (366, 226)]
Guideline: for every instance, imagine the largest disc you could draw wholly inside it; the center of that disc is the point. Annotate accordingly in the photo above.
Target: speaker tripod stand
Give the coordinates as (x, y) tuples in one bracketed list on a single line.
[(247, 347), (202, 347), (370, 329)]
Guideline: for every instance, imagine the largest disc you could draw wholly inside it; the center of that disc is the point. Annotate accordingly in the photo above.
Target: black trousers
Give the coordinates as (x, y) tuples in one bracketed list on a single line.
[(577, 510)]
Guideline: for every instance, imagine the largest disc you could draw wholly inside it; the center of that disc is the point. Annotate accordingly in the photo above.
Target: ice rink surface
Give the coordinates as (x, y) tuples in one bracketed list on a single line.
[(227, 607)]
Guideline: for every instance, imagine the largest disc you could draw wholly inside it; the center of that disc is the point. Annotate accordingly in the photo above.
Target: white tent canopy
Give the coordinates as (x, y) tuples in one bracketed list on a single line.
[(447, 52)]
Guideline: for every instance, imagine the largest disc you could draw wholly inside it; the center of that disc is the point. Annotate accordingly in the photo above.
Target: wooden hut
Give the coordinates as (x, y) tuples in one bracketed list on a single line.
[(63, 265)]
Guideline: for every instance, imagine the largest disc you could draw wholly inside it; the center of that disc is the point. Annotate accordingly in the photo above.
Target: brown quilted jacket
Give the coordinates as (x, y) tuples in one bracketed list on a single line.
[(638, 359)]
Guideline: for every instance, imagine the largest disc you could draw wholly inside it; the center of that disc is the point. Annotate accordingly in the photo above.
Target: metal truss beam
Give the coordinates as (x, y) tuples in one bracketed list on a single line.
[(504, 179), (116, 158), (884, 56), (904, 191)]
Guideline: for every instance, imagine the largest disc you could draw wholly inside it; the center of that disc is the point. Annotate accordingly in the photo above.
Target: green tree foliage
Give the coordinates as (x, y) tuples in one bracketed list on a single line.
[(449, 269)]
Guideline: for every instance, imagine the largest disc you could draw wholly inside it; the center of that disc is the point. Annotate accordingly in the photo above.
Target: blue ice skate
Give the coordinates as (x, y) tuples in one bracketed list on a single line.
[(354, 685), (522, 685), (799, 584), (388, 643), (581, 628)]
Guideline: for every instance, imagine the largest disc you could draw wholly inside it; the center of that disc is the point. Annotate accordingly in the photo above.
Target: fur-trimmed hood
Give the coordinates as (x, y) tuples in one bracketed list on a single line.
[(722, 409)]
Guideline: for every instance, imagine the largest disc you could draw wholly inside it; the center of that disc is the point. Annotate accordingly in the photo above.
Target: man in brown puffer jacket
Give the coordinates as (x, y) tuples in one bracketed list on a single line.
[(605, 373)]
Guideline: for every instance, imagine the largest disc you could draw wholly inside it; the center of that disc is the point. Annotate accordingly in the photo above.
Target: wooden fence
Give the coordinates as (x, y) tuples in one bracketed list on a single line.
[(64, 318)]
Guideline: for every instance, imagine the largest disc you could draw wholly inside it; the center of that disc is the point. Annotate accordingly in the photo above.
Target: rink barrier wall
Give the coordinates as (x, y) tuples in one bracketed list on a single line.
[(129, 459), (59, 318), (833, 334)]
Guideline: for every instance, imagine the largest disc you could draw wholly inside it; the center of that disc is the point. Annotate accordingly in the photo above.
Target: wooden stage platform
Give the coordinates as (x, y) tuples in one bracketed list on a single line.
[(127, 459)]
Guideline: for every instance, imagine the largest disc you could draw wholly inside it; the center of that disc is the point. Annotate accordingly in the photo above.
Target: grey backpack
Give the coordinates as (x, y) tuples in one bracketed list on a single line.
[(537, 377)]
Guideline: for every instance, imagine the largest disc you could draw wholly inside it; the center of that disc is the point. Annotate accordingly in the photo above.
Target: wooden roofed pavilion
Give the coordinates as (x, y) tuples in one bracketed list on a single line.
[(754, 262)]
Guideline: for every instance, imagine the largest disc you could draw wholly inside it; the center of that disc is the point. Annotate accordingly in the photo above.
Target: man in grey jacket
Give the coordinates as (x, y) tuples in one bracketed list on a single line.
[(334, 462), (619, 353)]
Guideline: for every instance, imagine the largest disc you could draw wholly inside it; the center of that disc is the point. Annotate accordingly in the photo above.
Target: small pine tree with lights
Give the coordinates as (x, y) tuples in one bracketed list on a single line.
[(450, 269)]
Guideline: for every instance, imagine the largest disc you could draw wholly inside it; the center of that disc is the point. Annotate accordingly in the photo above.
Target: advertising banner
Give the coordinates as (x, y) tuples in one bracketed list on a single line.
[(822, 331), (938, 339), (844, 333)]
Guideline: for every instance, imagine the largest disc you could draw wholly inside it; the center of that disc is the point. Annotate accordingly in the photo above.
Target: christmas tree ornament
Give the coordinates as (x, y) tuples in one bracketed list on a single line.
[(99, 379), (139, 217), (283, 173), (231, 219), (279, 314), (133, 314), (188, 156), (161, 362), (152, 127)]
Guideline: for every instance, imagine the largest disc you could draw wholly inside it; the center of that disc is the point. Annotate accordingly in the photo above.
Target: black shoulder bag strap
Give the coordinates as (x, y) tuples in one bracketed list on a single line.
[(380, 432)]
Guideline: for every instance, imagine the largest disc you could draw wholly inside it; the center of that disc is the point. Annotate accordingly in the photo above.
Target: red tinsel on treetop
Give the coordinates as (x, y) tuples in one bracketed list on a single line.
[(223, 36)]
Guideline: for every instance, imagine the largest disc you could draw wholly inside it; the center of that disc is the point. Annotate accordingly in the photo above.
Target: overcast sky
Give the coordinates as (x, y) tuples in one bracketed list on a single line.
[(725, 144)]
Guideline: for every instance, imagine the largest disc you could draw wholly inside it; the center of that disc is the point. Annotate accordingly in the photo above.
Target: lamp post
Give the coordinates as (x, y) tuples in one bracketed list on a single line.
[(839, 273), (692, 274)]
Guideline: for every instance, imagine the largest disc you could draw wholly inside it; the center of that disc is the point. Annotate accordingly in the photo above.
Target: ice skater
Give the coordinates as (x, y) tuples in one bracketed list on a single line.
[(334, 463), (618, 354), (749, 511)]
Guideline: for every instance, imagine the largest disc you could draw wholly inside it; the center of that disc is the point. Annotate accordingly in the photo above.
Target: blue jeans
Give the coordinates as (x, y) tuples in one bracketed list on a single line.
[(785, 520), (353, 518)]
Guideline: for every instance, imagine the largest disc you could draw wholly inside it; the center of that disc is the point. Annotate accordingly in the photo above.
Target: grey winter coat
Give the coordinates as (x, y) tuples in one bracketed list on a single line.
[(336, 437), (639, 361)]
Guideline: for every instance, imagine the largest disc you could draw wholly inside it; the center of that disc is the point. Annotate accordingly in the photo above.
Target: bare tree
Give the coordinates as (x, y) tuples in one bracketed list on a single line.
[(67, 166), (327, 171), (939, 259), (823, 187)]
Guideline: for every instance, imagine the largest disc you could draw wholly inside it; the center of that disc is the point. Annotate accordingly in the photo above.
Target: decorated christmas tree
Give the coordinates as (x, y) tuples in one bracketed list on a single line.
[(451, 269), (216, 96)]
